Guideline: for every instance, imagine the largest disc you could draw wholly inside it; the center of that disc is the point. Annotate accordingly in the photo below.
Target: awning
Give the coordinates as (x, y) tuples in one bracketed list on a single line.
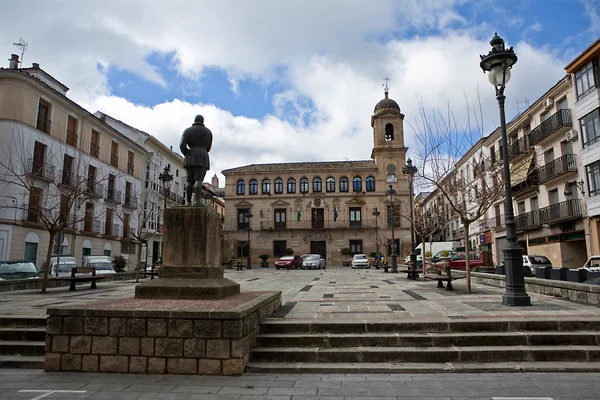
[(520, 170)]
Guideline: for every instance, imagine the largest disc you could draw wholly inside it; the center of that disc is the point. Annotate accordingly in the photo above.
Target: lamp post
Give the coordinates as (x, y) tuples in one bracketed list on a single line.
[(410, 171), (376, 213), (165, 178), (248, 229), (498, 63), (390, 192)]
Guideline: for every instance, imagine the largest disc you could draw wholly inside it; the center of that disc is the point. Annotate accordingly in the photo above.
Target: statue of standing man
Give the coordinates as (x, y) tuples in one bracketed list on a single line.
[(196, 142)]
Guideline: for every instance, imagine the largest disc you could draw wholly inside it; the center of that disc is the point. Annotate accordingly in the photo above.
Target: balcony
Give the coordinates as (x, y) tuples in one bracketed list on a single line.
[(69, 179), (72, 138), (112, 229), (130, 168), (527, 221), (563, 211), (94, 189), (113, 196), (114, 160), (483, 224), (91, 226), (40, 170), (559, 122), (523, 187), (519, 148), (497, 223), (94, 150), (44, 124), (479, 168), (558, 167), (131, 201)]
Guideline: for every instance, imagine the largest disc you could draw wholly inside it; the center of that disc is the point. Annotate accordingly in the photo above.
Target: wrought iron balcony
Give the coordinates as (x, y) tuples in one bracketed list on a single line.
[(519, 148), (90, 225), (44, 124), (529, 220), (113, 195), (497, 223), (72, 138), (561, 119), (131, 200), (559, 212), (69, 179), (114, 160), (531, 182), (94, 189), (112, 229), (130, 168), (40, 170), (558, 167), (94, 150)]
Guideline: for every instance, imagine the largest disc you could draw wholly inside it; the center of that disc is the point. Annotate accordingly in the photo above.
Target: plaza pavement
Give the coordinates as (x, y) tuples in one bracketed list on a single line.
[(308, 295)]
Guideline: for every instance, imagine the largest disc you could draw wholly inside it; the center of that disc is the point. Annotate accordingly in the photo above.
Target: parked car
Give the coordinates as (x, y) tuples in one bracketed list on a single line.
[(103, 264), (155, 266), (534, 262), (289, 262), (67, 263), (360, 261), (438, 256), (593, 264), (458, 260), (313, 261), (18, 269)]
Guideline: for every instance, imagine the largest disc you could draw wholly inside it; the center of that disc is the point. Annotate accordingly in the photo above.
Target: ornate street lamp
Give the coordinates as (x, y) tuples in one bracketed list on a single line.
[(410, 171), (249, 229), (165, 178), (376, 213), (498, 63), (390, 192)]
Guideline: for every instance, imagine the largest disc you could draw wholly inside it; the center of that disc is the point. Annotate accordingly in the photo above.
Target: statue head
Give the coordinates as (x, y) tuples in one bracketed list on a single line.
[(199, 119)]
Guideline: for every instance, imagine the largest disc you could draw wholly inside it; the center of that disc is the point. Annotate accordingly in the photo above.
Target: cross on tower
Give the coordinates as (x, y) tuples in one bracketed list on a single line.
[(385, 85)]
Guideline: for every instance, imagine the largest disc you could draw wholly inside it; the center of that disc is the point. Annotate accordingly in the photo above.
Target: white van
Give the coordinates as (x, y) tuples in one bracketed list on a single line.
[(103, 264), (64, 266), (434, 248)]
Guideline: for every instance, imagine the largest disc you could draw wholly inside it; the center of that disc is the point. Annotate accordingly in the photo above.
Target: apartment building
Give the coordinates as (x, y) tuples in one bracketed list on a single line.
[(322, 207), (584, 71), (59, 162)]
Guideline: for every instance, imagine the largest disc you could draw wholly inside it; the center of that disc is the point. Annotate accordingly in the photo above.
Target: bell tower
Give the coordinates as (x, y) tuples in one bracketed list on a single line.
[(388, 134)]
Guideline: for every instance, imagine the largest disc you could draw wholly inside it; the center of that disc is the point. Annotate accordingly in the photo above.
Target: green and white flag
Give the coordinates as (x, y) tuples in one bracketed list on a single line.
[(298, 215)]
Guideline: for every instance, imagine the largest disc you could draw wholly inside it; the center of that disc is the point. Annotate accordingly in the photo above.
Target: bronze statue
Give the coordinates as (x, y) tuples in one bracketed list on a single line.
[(196, 142)]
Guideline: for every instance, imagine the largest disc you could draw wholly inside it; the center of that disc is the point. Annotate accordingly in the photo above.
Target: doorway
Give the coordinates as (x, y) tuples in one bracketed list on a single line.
[(319, 247), (155, 250), (318, 218)]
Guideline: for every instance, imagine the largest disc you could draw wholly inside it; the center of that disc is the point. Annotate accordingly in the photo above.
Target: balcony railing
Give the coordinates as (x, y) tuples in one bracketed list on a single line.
[(72, 138), (114, 160), (95, 189), (113, 195), (559, 212), (112, 229), (558, 167), (497, 223), (561, 119), (479, 168), (307, 224), (130, 168), (31, 213), (69, 179), (529, 220), (532, 181), (89, 225), (172, 196), (94, 150), (518, 148), (131, 201), (43, 171), (44, 124)]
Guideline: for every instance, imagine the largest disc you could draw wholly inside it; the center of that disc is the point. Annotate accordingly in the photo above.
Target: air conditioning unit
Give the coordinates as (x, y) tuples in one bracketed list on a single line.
[(572, 135), (548, 102)]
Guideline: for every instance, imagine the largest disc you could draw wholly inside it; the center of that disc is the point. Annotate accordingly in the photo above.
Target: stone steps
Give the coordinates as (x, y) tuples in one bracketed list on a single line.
[(27, 334), (22, 342), (22, 362)]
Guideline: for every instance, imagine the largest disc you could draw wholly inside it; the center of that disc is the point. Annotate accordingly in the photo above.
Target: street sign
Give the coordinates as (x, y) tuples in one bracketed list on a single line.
[(59, 238)]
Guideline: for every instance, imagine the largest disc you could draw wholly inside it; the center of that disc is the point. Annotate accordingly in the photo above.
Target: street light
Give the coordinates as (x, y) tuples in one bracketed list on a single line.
[(410, 171), (498, 63), (248, 229), (376, 213), (165, 178), (390, 192)]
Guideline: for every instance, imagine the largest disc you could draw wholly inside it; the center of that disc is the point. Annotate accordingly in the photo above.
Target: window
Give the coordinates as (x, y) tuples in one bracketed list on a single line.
[(593, 177), (356, 246), (278, 186), (500, 151), (108, 222), (343, 184), (241, 187), (304, 185), (280, 218), (330, 184), (584, 79), (39, 158), (317, 184), (253, 186), (357, 184), (370, 184), (126, 225), (91, 179), (492, 154), (95, 144), (355, 217), (279, 247), (266, 186), (389, 132), (43, 117), (114, 154), (68, 178), (129, 198), (33, 209), (590, 128), (243, 220), (130, 162), (291, 185), (72, 131)]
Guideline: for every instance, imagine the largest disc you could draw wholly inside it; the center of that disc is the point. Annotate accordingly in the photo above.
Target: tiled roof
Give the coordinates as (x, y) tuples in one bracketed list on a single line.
[(303, 166), (591, 46)]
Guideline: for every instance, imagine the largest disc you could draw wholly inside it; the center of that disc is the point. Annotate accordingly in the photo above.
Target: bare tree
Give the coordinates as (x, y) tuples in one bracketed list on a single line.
[(49, 196)]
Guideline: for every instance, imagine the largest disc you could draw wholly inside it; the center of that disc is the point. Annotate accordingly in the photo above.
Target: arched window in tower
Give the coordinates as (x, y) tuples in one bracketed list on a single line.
[(278, 186), (357, 184), (370, 184), (343, 184), (266, 186), (389, 132), (241, 187), (330, 184), (304, 185), (317, 184), (291, 184), (253, 186)]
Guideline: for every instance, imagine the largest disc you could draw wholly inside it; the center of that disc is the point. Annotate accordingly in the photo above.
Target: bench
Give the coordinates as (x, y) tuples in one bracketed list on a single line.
[(239, 266), (448, 278), (74, 278)]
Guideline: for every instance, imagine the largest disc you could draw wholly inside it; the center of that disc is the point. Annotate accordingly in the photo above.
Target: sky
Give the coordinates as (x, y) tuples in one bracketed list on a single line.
[(287, 81)]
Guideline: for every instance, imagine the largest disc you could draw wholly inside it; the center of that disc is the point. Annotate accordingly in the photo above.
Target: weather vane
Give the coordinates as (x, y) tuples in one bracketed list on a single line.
[(385, 85)]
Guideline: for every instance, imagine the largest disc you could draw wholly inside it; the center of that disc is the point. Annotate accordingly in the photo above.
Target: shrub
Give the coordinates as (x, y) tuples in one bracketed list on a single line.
[(264, 257), (445, 253), (373, 254), (289, 251), (346, 252), (428, 254), (120, 263)]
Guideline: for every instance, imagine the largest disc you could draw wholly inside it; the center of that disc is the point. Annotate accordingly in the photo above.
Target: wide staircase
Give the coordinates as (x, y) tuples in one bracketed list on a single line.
[(22, 342), (460, 345)]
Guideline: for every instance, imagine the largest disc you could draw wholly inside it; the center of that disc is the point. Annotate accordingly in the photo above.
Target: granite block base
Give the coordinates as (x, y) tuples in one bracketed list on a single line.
[(187, 288)]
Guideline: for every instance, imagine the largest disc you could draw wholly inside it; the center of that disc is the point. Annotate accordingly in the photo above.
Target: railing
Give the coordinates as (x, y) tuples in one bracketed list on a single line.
[(497, 223), (483, 224), (113, 195), (305, 224), (131, 200), (94, 150), (91, 226), (563, 211), (42, 170), (130, 168), (95, 189), (114, 160), (529, 220), (172, 196), (112, 229), (72, 138), (69, 179), (562, 118), (31, 213), (532, 181), (558, 167), (520, 147), (479, 168), (126, 232), (44, 124)]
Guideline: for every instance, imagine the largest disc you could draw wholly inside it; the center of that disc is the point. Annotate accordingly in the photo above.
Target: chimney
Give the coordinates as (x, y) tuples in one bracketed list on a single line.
[(35, 66), (14, 61)]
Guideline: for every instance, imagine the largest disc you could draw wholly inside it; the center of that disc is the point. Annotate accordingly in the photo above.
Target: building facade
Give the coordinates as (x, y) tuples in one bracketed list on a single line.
[(322, 207)]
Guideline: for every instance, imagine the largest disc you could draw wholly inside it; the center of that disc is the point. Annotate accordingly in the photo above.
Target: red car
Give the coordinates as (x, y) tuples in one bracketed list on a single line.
[(458, 261), (289, 262)]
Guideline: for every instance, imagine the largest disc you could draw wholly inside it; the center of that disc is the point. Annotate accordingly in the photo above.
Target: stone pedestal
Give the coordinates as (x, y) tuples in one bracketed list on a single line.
[(191, 258)]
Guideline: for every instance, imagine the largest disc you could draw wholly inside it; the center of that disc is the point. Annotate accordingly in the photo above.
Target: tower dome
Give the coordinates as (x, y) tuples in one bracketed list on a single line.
[(387, 104)]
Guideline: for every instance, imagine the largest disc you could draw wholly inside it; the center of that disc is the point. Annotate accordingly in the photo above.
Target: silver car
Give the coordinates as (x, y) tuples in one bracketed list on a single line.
[(313, 261), (534, 262), (360, 261)]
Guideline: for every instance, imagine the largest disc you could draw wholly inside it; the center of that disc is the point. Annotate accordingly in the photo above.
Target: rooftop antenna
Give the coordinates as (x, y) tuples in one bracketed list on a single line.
[(22, 44), (526, 101)]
